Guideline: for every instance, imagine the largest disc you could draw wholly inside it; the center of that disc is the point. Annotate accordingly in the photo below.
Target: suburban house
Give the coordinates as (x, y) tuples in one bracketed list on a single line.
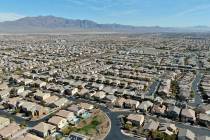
[(66, 114), (99, 95), (71, 91), (82, 92), (186, 134), (86, 106), (120, 102), (51, 99), (78, 84), (164, 89), (4, 122), (168, 128), (41, 96), (12, 103), (203, 138), (129, 103), (158, 109), (39, 83), (109, 90), (188, 115), (60, 102), (3, 86), (32, 109), (111, 98), (9, 131), (26, 81), (55, 88), (145, 106), (59, 122), (5, 93), (151, 125), (19, 90), (173, 112), (74, 108), (205, 109), (97, 86), (136, 119), (204, 119), (44, 129), (29, 136), (24, 93), (169, 102), (158, 100)]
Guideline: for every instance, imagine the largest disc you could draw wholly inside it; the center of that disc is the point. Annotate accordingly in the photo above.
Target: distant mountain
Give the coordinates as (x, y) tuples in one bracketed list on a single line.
[(51, 24)]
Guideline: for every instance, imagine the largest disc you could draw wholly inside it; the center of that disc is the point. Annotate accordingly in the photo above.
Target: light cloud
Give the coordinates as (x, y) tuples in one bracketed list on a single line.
[(102, 5), (9, 16), (198, 8)]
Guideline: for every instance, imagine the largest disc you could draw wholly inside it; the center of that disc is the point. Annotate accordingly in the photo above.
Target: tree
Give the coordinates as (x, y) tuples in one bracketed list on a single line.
[(192, 94), (175, 88), (23, 124), (128, 126), (162, 136)]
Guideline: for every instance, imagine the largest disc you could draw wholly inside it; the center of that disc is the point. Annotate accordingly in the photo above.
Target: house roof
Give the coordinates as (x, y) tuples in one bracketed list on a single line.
[(41, 94), (86, 105), (100, 94), (109, 90), (186, 133), (188, 113), (60, 101), (151, 125), (3, 86), (14, 100), (111, 97), (159, 109), (29, 136), (132, 102), (204, 138), (145, 105), (3, 119), (204, 117), (174, 109), (136, 117), (73, 108), (64, 113), (9, 130), (158, 99), (83, 91), (169, 126), (120, 101), (43, 127), (51, 99), (55, 120)]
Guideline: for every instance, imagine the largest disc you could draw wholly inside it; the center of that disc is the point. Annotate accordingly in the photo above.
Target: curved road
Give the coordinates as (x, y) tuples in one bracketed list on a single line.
[(115, 132), (198, 98)]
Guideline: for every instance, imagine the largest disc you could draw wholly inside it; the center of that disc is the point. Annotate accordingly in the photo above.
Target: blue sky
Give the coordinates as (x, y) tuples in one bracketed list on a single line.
[(167, 13)]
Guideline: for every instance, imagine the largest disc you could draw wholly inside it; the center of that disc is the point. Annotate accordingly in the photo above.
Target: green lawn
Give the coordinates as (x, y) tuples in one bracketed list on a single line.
[(87, 129)]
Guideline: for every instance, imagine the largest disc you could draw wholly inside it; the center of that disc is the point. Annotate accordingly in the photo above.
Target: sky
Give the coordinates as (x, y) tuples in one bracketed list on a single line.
[(165, 13)]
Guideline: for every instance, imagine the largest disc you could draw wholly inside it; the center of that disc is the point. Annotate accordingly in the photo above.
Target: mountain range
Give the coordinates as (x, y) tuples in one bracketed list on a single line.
[(59, 24)]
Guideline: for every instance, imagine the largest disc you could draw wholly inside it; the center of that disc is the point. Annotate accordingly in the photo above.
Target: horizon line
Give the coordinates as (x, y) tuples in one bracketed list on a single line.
[(155, 26)]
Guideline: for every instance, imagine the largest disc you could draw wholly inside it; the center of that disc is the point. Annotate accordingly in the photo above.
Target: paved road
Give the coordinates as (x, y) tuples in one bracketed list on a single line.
[(198, 98), (153, 88), (17, 119), (115, 132)]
